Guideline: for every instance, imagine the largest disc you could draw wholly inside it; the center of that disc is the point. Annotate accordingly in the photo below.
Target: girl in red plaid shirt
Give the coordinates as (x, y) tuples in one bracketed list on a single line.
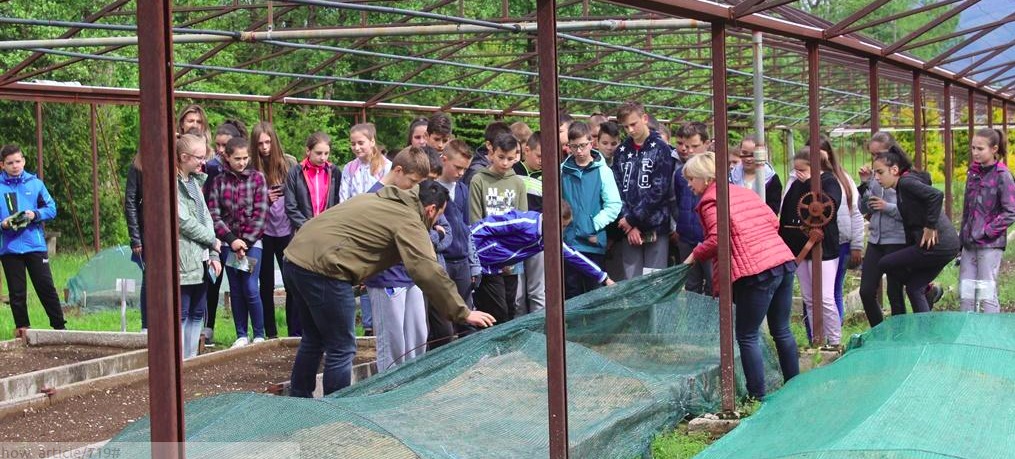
[(238, 201)]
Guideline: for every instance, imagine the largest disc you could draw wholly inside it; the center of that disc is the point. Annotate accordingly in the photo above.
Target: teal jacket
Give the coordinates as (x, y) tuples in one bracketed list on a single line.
[(197, 234), (595, 202)]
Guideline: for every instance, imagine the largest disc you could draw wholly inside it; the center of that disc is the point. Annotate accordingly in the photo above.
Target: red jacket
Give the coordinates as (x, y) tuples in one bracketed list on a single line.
[(754, 233)]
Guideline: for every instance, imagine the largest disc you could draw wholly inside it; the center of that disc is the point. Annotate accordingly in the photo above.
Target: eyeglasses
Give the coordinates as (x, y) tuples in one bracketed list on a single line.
[(579, 146), (198, 158)]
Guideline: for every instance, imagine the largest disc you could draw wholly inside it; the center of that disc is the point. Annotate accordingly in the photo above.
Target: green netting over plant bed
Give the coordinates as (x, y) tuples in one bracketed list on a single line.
[(94, 286), (640, 356), (927, 385)]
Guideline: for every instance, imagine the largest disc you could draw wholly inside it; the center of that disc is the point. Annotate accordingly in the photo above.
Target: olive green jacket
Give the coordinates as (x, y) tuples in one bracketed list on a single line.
[(370, 233)]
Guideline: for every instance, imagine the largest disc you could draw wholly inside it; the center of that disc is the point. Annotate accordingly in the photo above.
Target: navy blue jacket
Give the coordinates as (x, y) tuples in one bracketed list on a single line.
[(644, 177), (395, 276), (686, 222)]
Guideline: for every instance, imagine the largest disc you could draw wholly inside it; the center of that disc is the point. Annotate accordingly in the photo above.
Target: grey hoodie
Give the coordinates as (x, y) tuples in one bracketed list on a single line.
[(885, 225)]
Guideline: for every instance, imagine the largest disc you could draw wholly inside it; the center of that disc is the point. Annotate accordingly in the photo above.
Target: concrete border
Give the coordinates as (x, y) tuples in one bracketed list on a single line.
[(125, 340), (58, 394)]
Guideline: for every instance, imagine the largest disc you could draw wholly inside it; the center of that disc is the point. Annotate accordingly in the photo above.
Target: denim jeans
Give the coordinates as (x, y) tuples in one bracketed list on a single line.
[(328, 315), (143, 303), (772, 298), (244, 295), (840, 278), (193, 299)]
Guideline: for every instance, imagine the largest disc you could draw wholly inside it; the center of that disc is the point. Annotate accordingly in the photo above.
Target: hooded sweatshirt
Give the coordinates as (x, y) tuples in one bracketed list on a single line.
[(491, 193), (773, 185), (338, 245), (595, 202)]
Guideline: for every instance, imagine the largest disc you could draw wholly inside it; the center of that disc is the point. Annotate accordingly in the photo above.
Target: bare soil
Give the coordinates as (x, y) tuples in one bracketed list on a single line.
[(98, 416), (33, 358)]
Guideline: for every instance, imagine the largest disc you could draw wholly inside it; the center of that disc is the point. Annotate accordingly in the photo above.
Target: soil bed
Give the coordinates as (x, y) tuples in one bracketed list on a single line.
[(33, 358), (100, 415)]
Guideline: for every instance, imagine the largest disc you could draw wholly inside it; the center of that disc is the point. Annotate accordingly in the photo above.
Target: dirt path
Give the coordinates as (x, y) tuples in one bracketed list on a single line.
[(33, 358)]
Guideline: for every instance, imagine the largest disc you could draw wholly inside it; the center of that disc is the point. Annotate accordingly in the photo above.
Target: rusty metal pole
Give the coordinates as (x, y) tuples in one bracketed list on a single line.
[(875, 96), (949, 148), (990, 112), (814, 112), (971, 107), (727, 381), (271, 113), (165, 386), (96, 243), (1004, 126), (556, 362), (917, 122), (38, 140)]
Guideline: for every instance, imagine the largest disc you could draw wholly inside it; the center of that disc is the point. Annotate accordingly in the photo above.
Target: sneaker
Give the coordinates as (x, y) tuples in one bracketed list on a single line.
[(934, 293), (209, 335), (258, 340), (20, 332), (144, 330), (240, 342)]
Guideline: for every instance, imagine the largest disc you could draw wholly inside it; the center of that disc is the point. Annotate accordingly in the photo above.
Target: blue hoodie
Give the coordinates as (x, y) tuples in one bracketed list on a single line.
[(644, 176), (510, 238), (595, 202), (25, 192)]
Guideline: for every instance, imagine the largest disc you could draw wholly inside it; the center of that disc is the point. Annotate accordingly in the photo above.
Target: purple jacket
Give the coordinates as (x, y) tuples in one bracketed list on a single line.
[(989, 207)]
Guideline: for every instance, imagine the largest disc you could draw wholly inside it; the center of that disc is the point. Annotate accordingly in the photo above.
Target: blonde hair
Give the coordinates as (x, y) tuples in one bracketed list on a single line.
[(187, 143), (700, 166), (376, 158)]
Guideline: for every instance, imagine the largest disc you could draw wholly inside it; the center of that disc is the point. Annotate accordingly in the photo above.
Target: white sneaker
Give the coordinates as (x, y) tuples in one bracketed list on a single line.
[(144, 330), (240, 342), (258, 340)]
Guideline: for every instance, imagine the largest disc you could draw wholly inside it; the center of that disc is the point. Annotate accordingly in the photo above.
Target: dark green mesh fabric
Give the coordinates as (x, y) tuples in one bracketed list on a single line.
[(94, 286), (641, 355), (926, 385)]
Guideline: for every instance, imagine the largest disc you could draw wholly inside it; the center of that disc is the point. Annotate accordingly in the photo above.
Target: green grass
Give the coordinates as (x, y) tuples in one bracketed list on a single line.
[(679, 444), (64, 266)]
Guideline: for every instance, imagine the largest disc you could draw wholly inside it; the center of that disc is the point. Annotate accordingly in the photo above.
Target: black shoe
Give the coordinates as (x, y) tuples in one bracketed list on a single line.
[(368, 332), (934, 294)]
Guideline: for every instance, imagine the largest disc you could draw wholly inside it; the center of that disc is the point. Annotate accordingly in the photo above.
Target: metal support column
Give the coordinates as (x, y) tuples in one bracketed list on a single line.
[(165, 388), (728, 383), (990, 112), (38, 140), (917, 122), (96, 243), (759, 115), (949, 148), (814, 134), (556, 363), (1004, 126), (971, 107), (875, 103)]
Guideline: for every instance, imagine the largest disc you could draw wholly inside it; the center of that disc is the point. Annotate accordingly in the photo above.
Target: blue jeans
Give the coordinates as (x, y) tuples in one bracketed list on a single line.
[(143, 303), (244, 294), (327, 311), (366, 309), (772, 298), (193, 302), (840, 277)]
